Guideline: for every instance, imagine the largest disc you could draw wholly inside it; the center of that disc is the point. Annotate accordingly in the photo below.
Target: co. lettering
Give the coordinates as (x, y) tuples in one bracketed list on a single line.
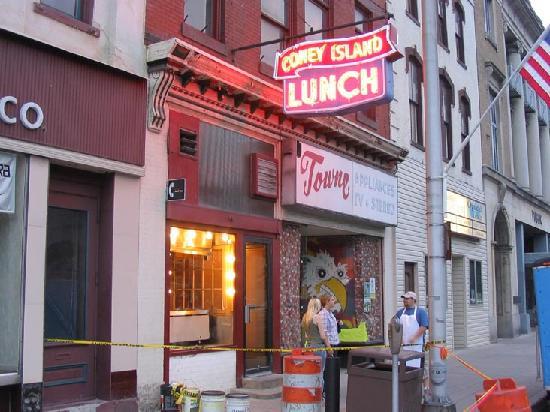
[(24, 117)]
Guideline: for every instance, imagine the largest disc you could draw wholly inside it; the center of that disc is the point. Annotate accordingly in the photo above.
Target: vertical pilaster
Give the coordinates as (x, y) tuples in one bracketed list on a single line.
[(522, 305), (533, 154), (544, 138)]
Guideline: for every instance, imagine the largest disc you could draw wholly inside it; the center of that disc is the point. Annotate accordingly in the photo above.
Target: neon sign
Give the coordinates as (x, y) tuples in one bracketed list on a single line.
[(337, 75)]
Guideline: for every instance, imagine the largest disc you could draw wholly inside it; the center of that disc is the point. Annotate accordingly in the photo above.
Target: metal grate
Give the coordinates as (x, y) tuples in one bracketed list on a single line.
[(188, 142)]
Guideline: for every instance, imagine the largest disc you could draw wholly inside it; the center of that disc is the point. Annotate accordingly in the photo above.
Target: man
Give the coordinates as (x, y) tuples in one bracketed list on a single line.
[(415, 323)]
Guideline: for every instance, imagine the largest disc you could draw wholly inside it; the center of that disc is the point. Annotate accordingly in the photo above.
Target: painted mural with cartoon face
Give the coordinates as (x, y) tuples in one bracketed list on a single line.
[(324, 276)]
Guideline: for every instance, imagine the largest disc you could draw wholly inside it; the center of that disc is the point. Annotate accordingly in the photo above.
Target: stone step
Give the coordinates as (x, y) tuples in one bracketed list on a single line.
[(268, 381), (270, 393)]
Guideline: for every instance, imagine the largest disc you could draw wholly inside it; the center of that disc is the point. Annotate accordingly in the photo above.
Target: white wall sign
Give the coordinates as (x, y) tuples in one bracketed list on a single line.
[(327, 181), (7, 182)]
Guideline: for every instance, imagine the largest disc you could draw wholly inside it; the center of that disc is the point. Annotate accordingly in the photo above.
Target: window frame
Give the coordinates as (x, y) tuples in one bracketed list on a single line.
[(214, 41), (284, 28), (460, 21), (489, 19), (366, 116), (325, 7), (415, 65), (446, 125), (465, 114), (442, 34), (83, 24), (412, 10), (477, 283), (410, 271)]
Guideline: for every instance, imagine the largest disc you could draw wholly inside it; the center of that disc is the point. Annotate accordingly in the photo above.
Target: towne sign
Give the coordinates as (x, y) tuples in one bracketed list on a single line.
[(338, 75)]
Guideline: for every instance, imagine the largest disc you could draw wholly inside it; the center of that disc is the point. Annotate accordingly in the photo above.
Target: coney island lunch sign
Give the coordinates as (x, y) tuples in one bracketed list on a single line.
[(337, 76)]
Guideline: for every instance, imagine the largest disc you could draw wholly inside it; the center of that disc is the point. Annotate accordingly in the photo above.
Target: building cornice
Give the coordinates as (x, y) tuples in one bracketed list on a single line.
[(181, 70)]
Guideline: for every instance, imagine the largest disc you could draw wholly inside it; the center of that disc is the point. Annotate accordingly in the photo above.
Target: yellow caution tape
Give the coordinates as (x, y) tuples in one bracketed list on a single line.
[(215, 348)]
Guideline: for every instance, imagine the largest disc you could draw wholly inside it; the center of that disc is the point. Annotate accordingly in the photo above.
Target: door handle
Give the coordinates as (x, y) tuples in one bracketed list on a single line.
[(247, 311)]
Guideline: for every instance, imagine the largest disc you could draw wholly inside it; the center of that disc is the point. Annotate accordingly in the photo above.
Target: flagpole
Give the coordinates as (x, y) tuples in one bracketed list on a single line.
[(493, 102)]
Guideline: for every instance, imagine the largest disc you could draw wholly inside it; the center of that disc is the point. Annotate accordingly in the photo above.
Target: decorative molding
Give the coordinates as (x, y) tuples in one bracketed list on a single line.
[(160, 83)]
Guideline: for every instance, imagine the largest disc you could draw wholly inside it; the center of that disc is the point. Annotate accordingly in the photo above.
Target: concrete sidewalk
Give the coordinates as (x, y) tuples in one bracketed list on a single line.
[(513, 358)]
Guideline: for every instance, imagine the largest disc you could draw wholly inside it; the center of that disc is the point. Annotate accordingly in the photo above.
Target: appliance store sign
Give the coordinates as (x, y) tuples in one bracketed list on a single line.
[(327, 181)]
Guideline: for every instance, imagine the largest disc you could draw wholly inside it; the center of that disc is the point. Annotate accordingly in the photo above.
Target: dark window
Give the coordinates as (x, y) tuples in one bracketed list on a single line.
[(442, 23), (274, 26), (205, 16), (412, 8), (476, 282), (362, 13), (415, 101), (459, 33), (315, 18), (465, 131), (495, 132), (446, 121), (489, 19), (410, 276)]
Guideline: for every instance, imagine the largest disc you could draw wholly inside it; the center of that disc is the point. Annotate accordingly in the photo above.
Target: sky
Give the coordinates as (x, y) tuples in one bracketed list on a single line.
[(542, 7)]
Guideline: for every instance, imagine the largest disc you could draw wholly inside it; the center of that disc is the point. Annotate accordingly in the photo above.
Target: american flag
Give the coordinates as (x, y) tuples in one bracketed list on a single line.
[(536, 70)]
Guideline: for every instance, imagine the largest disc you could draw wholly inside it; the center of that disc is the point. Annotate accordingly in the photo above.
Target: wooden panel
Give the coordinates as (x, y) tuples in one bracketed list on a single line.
[(88, 107)]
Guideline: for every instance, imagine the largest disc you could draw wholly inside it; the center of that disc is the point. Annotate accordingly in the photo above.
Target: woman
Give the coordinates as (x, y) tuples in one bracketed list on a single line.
[(313, 331), (331, 324)]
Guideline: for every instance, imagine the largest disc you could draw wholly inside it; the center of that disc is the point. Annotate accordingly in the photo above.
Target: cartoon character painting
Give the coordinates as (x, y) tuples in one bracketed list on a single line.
[(322, 276)]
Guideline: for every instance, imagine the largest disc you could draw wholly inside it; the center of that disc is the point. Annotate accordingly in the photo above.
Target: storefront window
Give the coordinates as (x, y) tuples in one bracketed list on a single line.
[(202, 286), (12, 229)]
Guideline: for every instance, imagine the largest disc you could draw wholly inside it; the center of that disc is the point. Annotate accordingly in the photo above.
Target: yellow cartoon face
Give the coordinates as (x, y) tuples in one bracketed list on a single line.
[(322, 276)]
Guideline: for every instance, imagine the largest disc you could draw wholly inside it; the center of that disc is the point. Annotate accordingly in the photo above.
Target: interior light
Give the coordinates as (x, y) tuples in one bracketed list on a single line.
[(230, 292), (225, 237), (174, 233), (170, 291), (230, 258), (169, 273), (230, 275), (209, 235)]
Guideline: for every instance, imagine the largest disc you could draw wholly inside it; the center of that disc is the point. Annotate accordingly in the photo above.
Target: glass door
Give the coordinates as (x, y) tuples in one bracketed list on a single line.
[(257, 309)]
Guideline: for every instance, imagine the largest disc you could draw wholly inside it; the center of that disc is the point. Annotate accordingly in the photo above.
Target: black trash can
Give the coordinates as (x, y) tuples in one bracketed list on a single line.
[(370, 381)]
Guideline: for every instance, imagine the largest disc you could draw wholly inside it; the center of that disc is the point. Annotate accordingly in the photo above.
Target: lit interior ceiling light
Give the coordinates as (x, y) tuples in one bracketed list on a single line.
[(230, 292), (230, 275), (174, 234), (230, 258)]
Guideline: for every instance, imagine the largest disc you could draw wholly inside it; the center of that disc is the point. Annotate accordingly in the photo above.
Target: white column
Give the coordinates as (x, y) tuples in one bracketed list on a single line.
[(519, 132), (544, 138), (533, 153)]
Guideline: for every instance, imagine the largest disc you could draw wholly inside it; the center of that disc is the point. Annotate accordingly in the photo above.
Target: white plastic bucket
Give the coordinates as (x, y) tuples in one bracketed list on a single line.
[(191, 400), (212, 401), (237, 402)]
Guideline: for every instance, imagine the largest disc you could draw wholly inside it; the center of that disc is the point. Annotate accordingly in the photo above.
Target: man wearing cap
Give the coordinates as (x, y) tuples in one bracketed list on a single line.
[(415, 324)]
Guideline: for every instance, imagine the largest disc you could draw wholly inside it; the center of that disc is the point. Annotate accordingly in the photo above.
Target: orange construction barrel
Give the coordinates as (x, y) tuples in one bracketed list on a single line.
[(506, 396), (302, 382)]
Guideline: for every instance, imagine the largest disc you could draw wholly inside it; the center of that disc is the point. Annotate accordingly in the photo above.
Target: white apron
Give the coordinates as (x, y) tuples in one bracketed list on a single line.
[(410, 327)]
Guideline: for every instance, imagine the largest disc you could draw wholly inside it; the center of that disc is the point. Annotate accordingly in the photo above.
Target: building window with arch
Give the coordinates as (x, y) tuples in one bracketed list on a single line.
[(495, 132), (459, 33), (446, 97), (315, 18), (442, 23), (489, 19), (464, 132), (274, 25), (415, 101), (205, 16)]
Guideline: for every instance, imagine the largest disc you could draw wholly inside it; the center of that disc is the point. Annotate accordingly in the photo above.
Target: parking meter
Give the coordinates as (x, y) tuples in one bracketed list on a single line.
[(395, 335)]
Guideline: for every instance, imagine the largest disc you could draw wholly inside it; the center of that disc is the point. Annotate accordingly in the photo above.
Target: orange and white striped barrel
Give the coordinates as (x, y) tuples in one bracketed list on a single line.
[(302, 382)]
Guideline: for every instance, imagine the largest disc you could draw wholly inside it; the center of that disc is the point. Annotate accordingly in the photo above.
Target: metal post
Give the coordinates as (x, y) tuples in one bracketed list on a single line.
[(438, 399), (394, 383)]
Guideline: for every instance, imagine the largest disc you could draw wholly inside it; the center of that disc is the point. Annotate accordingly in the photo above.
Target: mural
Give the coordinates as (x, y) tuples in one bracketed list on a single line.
[(328, 269)]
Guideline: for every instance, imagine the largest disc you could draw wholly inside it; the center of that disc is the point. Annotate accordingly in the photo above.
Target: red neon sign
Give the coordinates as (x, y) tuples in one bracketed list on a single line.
[(337, 75)]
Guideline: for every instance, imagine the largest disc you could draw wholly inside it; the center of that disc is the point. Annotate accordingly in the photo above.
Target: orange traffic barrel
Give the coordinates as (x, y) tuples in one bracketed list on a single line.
[(505, 397), (302, 382)]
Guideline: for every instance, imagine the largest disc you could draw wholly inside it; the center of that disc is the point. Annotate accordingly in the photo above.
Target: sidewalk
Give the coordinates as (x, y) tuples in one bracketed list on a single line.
[(513, 358)]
